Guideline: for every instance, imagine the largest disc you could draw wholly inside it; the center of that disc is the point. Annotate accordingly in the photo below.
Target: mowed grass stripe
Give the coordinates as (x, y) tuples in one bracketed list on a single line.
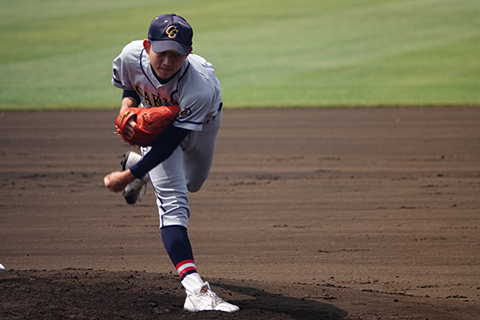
[(266, 53)]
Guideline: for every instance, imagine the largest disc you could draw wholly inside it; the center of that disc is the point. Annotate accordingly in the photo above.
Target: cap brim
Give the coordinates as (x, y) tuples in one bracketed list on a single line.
[(165, 45)]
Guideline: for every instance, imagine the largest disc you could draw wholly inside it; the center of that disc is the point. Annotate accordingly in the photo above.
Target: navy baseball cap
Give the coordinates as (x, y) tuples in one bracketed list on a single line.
[(170, 32)]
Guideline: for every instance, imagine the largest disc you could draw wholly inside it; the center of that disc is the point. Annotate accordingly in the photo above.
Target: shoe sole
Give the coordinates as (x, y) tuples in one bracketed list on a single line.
[(124, 160), (129, 198)]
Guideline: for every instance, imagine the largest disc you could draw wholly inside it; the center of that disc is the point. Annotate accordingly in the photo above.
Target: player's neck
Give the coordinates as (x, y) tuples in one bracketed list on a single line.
[(163, 81)]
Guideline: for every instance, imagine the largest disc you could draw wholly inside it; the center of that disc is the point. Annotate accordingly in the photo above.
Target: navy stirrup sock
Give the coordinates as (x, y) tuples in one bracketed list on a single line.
[(176, 242)]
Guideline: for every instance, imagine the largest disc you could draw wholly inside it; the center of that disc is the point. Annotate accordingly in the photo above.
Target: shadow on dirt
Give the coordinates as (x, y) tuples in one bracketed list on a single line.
[(259, 302)]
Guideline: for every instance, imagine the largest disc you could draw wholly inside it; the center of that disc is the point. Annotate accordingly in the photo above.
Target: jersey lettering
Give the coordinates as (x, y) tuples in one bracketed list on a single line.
[(158, 101), (147, 99), (139, 90)]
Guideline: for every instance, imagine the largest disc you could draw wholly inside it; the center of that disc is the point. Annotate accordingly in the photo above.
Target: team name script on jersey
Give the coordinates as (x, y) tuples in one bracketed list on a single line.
[(154, 100)]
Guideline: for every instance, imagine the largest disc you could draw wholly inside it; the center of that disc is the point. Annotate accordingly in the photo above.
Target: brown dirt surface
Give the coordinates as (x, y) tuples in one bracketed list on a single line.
[(307, 214)]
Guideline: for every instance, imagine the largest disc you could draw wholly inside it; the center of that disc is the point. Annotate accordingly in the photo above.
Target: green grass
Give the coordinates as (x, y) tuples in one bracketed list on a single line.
[(282, 53)]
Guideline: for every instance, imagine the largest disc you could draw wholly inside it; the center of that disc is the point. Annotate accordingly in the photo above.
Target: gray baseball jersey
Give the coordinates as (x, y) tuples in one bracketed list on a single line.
[(195, 88)]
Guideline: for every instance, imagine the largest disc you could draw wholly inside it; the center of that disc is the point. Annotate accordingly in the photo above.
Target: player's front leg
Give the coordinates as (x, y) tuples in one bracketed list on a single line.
[(136, 189)]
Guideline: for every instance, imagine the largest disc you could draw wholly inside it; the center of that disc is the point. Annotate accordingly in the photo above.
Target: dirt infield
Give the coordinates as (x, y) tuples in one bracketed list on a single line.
[(307, 214)]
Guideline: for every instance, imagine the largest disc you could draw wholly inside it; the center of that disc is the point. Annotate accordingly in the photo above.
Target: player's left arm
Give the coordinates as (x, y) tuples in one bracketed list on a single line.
[(161, 150)]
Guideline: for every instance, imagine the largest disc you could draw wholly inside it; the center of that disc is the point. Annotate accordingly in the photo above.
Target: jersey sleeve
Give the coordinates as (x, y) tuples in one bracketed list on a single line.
[(121, 77), (119, 80), (200, 96), (194, 111)]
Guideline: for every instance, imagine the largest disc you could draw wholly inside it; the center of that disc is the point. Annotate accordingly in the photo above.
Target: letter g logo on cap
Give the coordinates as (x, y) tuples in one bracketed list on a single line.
[(172, 32)]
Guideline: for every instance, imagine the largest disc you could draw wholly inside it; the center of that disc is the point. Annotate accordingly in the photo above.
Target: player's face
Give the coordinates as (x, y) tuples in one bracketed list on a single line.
[(166, 63)]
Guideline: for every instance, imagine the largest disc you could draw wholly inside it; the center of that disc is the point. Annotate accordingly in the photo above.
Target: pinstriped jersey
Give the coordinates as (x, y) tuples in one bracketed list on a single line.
[(195, 88)]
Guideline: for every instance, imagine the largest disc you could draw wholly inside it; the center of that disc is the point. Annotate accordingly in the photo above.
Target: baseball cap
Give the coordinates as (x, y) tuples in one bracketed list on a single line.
[(170, 32)]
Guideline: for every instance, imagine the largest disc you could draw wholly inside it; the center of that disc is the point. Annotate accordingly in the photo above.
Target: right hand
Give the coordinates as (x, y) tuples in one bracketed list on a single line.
[(117, 181), (128, 102), (128, 129)]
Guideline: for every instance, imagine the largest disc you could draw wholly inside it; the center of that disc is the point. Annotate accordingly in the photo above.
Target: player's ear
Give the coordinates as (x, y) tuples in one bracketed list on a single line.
[(146, 45), (191, 49)]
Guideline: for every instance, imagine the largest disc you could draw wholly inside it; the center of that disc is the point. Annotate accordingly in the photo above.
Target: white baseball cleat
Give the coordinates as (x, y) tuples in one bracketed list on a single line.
[(135, 190), (206, 300)]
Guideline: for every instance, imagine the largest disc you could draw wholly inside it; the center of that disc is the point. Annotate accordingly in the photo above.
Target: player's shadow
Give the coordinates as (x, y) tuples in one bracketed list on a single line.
[(259, 302)]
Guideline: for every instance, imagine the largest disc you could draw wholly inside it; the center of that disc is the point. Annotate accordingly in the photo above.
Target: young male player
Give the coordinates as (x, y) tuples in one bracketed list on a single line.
[(161, 71)]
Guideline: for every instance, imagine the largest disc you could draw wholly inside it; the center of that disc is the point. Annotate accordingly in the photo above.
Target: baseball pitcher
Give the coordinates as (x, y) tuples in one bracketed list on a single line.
[(173, 95)]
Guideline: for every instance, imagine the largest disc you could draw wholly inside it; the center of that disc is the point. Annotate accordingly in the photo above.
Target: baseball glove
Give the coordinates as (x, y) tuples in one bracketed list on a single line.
[(150, 123)]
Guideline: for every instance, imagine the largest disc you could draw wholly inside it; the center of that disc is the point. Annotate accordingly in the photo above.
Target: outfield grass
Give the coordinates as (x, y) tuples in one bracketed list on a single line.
[(58, 54)]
